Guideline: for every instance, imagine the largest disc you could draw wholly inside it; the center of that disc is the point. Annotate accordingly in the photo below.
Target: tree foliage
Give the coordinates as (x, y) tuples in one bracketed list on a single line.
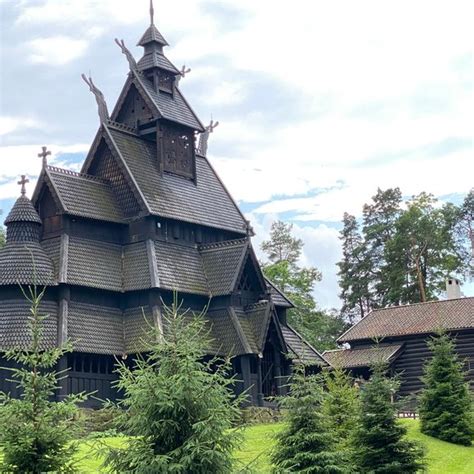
[(2, 237), (379, 441), (177, 408), (306, 444), (404, 251), (283, 250), (445, 403), (35, 431), (341, 405)]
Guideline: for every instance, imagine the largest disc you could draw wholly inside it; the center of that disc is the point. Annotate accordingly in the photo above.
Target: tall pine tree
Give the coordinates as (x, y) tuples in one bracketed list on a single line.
[(354, 272), (445, 403), (379, 442)]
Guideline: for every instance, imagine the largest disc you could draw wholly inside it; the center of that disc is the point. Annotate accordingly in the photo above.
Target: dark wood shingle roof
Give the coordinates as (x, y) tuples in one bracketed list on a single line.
[(362, 356), (300, 350), (205, 202), (421, 318)]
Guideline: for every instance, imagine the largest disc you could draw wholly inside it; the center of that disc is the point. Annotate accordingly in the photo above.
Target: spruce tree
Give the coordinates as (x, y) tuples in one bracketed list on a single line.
[(177, 408), (341, 405), (36, 432), (306, 444), (379, 444), (445, 403)]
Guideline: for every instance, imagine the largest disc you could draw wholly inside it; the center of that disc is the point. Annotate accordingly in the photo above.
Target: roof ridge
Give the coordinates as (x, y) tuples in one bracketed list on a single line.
[(76, 174), (421, 303), (224, 243)]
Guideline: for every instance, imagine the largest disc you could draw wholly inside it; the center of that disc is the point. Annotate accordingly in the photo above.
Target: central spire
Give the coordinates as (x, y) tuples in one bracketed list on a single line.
[(152, 13), (152, 38)]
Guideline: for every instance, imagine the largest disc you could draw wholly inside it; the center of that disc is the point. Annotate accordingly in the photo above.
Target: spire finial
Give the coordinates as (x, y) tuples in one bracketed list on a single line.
[(152, 13), (43, 155), (22, 183)]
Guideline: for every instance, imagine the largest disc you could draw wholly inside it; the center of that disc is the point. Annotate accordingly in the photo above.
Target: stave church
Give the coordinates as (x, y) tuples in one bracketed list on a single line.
[(146, 216)]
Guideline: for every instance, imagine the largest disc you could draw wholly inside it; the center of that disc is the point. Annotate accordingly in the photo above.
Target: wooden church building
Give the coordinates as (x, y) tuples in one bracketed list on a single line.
[(146, 216)]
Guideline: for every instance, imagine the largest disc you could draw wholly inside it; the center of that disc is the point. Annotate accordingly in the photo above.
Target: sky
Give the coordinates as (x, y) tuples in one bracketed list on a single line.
[(319, 103)]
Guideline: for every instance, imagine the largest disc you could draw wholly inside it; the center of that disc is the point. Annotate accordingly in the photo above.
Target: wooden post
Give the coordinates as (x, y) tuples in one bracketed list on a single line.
[(64, 298), (259, 382), (246, 376)]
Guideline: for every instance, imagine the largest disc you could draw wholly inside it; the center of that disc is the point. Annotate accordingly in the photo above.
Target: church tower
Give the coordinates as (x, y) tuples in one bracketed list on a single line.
[(146, 216)]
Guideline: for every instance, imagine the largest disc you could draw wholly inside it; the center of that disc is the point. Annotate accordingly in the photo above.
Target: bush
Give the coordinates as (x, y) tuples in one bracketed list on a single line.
[(178, 409), (306, 443)]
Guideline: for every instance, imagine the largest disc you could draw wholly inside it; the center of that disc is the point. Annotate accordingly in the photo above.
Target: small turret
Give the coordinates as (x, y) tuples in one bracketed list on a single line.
[(23, 260)]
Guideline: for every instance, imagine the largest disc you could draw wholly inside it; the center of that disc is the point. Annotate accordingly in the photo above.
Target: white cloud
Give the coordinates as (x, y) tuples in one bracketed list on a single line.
[(11, 124), (23, 159), (56, 50)]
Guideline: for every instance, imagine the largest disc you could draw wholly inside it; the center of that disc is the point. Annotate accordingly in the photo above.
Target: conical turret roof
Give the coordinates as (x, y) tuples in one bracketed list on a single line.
[(23, 211)]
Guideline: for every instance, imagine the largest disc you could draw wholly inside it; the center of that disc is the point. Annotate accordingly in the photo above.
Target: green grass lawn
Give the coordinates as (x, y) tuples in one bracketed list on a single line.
[(443, 458)]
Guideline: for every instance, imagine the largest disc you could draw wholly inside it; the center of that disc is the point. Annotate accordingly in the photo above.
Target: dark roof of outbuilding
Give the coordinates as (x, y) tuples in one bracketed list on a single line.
[(300, 350), (362, 356), (25, 263), (421, 318), (23, 211), (205, 202), (85, 195)]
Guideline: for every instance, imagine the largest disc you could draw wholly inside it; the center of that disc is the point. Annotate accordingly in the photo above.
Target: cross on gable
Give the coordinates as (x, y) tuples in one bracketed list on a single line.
[(22, 183), (44, 154)]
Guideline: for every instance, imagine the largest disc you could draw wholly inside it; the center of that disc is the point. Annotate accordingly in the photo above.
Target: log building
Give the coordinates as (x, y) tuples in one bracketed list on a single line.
[(402, 333), (146, 215)]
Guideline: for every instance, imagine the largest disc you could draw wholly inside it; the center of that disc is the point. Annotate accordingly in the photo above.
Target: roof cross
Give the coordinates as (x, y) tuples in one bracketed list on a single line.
[(43, 155), (22, 182)]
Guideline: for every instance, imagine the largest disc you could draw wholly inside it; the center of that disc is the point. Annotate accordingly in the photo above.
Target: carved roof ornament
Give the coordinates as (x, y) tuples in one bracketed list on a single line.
[(44, 153), (131, 60), (204, 137), (182, 73), (99, 97), (22, 183)]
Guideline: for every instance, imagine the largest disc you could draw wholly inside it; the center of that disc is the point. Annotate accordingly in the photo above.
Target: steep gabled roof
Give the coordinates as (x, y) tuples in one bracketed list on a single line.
[(152, 35), (222, 262), (80, 194), (278, 297), (205, 202), (363, 356), (301, 351), (421, 318)]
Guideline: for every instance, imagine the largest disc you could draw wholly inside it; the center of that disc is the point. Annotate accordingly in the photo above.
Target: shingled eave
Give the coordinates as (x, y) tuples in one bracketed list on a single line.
[(276, 322), (240, 332), (226, 191), (291, 328), (275, 287), (397, 351), (177, 91)]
